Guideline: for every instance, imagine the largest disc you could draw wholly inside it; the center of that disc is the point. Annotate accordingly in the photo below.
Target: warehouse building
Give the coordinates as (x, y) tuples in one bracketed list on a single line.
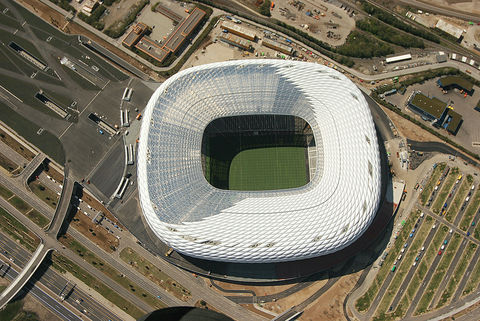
[(239, 30)]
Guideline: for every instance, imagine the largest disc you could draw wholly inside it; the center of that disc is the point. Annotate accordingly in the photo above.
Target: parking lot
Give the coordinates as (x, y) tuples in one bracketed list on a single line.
[(469, 130), (433, 259)]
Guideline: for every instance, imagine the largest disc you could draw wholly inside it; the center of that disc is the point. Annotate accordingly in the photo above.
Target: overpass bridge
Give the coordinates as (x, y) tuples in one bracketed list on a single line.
[(43, 249)]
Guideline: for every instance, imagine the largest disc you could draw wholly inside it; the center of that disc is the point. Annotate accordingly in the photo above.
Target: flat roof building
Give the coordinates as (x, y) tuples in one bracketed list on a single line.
[(449, 28), (277, 46), (433, 107), (453, 121), (239, 30), (236, 41), (135, 34), (449, 82), (398, 58), (136, 37)]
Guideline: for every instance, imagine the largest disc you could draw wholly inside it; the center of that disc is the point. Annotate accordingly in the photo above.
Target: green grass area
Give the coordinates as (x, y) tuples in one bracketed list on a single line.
[(439, 274), (20, 204), (471, 210), (63, 265), (405, 265), (37, 218), (459, 199), (268, 169), (363, 303), (7, 164), (47, 142), (5, 192), (457, 274), (17, 231), (109, 271), (443, 194), (44, 193), (427, 190), (155, 274), (11, 310), (473, 281)]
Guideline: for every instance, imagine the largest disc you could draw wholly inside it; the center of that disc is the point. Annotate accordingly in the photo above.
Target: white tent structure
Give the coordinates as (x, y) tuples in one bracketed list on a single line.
[(199, 220)]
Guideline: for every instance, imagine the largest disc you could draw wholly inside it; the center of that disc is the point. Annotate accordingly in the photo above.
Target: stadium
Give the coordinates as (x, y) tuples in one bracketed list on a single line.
[(258, 161)]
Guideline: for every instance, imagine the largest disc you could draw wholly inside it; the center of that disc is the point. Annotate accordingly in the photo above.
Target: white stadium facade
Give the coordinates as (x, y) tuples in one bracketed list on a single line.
[(322, 217)]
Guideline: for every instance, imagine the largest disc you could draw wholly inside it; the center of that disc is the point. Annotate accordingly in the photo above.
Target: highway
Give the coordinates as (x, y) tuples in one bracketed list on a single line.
[(54, 282)]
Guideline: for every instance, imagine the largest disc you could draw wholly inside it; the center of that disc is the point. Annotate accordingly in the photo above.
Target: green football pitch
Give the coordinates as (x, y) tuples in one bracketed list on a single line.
[(268, 169)]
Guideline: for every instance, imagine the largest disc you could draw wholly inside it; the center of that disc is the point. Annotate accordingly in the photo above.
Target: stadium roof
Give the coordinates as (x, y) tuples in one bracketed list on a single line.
[(196, 219)]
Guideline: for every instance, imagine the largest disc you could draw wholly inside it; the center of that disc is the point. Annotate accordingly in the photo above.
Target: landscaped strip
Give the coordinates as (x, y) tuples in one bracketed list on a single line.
[(109, 271), (16, 146), (457, 275), (405, 265), (427, 190), (364, 302), (471, 210), (34, 215), (473, 281), (459, 199), (439, 274), (442, 196), (17, 231), (7, 164), (155, 274), (62, 264), (44, 193)]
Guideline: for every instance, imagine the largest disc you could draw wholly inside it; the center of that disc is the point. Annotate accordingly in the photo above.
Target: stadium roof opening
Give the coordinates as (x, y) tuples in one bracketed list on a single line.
[(324, 216)]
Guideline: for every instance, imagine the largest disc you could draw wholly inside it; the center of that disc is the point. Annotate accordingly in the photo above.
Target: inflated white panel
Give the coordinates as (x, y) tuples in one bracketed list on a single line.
[(199, 220)]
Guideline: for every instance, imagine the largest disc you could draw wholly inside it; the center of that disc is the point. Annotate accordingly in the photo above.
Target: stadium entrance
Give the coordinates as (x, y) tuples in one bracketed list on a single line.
[(257, 152)]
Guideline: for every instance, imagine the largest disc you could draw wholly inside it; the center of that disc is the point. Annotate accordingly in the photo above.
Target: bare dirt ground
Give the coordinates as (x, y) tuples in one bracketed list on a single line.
[(284, 304), (212, 52), (330, 305), (259, 290), (325, 19), (58, 20), (99, 207), (118, 11), (102, 238), (31, 304), (468, 6), (409, 129)]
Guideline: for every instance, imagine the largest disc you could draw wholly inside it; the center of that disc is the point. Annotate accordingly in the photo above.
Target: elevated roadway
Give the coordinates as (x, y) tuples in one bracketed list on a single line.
[(23, 277), (43, 249)]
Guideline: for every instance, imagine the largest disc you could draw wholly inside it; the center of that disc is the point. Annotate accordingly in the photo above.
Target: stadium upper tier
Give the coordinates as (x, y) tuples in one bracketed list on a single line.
[(199, 220)]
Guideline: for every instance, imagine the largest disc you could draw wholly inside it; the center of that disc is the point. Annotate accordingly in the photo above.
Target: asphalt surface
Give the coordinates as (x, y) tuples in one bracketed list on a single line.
[(55, 283), (440, 148), (110, 171)]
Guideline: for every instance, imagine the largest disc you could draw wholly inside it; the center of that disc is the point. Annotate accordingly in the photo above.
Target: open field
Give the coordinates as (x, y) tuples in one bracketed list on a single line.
[(268, 169), (37, 218), (44, 193), (457, 275), (5, 192), (17, 231), (153, 273), (427, 190), (63, 264), (109, 271)]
